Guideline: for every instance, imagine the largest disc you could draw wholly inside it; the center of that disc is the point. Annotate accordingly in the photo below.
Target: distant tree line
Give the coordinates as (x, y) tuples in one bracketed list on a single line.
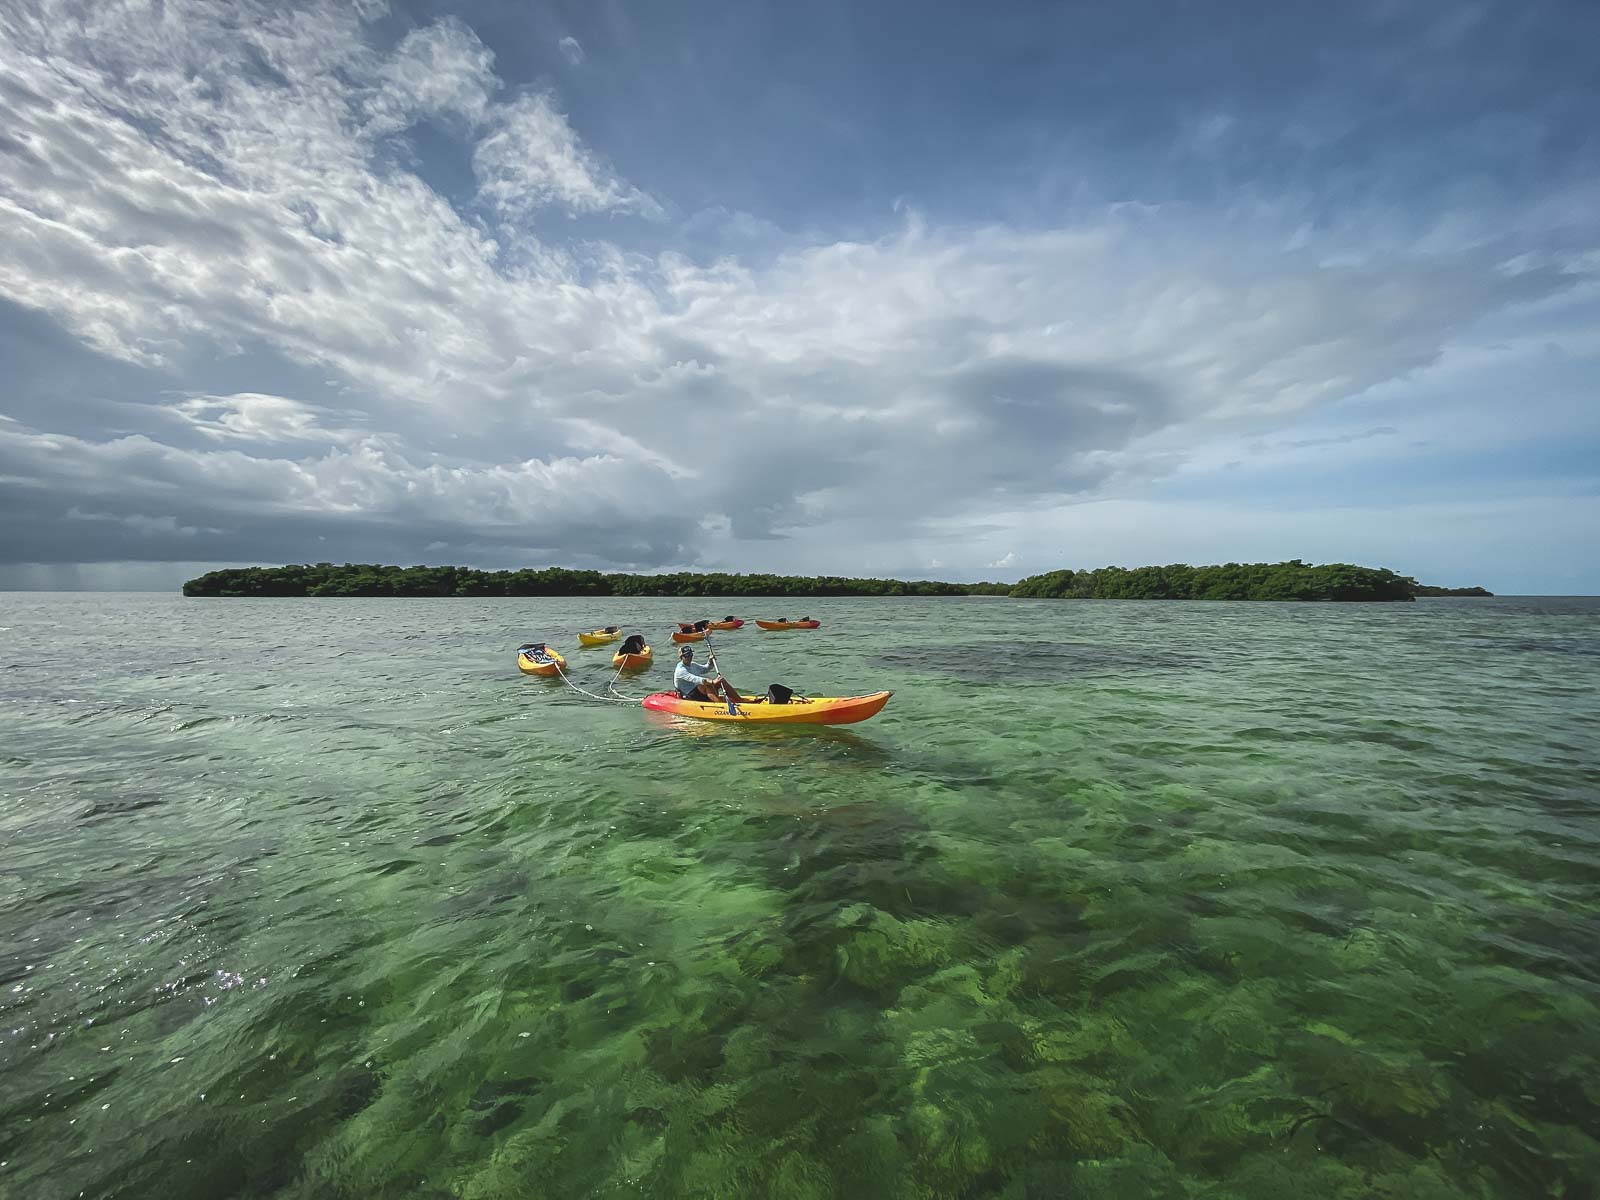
[(373, 579), (1293, 580), (1423, 589)]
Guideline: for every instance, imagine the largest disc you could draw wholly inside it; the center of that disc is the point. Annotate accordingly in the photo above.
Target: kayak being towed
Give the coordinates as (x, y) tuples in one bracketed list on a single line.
[(539, 659), (632, 662), (815, 710), (789, 624), (600, 637)]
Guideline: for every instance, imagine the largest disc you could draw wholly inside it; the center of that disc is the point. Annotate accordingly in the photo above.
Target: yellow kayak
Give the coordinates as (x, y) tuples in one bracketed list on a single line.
[(538, 659), (600, 636), (817, 710)]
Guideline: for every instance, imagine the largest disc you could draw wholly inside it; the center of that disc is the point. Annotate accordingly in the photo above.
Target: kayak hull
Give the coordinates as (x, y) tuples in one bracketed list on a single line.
[(532, 666), (599, 638), (688, 637), (727, 624), (818, 710), (780, 625), (632, 662)]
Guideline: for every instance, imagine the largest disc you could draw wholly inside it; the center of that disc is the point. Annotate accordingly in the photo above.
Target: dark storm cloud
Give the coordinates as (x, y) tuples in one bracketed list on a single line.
[(1038, 415)]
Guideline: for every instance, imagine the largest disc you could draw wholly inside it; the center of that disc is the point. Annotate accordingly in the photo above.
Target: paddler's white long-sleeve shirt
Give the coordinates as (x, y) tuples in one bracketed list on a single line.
[(690, 675)]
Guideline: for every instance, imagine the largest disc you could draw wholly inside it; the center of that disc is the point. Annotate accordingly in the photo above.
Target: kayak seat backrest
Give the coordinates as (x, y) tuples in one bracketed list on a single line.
[(778, 694)]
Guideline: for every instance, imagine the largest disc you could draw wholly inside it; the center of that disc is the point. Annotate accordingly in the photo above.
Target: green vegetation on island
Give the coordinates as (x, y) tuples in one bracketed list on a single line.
[(1423, 589), (371, 579), (1293, 580)]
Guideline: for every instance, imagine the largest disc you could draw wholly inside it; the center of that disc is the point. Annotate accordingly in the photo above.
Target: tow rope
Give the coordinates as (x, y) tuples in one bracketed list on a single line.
[(609, 687), (616, 697)]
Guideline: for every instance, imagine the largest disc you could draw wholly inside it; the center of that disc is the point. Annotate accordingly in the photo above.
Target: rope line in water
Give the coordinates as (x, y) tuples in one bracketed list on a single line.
[(591, 695), (612, 686)]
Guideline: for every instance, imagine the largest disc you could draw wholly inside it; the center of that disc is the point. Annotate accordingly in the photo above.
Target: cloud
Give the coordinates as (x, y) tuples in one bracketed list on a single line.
[(571, 51), (1378, 431), (367, 491), (439, 70), (530, 158), (253, 417), (150, 526)]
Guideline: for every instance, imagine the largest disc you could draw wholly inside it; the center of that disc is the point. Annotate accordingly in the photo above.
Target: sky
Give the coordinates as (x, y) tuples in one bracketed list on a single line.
[(925, 289)]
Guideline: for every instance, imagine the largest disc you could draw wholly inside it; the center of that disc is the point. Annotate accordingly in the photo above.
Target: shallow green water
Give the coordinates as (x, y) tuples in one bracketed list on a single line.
[(322, 899)]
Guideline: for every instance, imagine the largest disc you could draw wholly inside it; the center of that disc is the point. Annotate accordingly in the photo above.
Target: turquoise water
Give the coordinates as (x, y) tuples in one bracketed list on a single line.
[(323, 899)]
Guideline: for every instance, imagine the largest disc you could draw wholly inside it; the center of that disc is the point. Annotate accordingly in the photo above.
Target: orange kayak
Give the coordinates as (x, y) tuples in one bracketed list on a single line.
[(733, 624), (789, 624), (632, 662), (679, 636), (817, 710)]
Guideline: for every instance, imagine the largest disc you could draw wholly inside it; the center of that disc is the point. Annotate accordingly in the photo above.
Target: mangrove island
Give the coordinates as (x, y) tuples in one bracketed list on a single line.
[(1293, 580)]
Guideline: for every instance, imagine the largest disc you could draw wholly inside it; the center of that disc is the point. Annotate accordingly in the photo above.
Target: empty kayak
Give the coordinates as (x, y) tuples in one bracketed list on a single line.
[(730, 623), (789, 624), (817, 710), (539, 659), (679, 636), (600, 636), (632, 662)]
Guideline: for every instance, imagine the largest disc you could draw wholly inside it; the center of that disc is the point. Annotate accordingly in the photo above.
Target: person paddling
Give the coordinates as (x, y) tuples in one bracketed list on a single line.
[(697, 682)]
